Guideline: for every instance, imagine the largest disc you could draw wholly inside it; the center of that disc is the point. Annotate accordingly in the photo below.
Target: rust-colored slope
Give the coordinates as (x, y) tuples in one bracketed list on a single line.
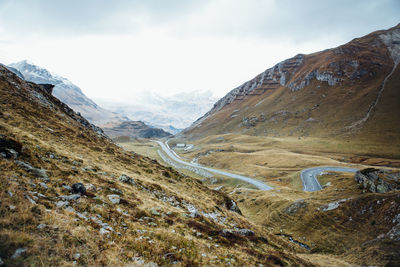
[(322, 94)]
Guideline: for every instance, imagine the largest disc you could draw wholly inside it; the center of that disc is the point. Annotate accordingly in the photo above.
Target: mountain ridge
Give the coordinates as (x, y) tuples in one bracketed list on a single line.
[(302, 84), (73, 96)]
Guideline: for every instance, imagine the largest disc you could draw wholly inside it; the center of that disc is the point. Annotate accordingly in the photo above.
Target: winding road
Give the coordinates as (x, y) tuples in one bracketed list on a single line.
[(175, 157), (309, 176)]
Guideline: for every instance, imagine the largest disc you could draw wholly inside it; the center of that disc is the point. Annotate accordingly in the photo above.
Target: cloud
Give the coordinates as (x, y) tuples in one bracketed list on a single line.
[(119, 48), (267, 19)]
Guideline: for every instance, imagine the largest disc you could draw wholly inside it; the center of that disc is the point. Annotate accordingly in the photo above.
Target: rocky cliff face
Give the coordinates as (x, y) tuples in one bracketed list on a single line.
[(378, 181)]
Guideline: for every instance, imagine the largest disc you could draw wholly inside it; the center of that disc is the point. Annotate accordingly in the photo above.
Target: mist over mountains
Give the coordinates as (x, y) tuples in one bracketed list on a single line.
[(171, 113)]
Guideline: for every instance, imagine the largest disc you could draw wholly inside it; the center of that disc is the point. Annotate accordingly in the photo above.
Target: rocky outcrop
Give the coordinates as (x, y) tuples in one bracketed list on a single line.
[(270, 79), (378, 181)]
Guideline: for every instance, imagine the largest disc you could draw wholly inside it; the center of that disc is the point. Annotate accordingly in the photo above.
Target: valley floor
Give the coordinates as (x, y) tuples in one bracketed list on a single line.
[(342, 224)]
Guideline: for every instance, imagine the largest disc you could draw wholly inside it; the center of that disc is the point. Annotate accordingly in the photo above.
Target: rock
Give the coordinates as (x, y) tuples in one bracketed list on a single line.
[(9, 148), (334, 205), (378, 181), (12, 207), (103, 231), (89, 169), (78, 188), (327, 184), (193, 211), (67, 187), (232, 206), (11, 152), (245, 232), (91, 188), (70, 197), (299, 204), (218, 188), (227, 233), (126, 179), (41, 226), (18, 253), (30, 200), (76, 256), (62, 204), (116, 190), (43, 185), (155, 212), (41, 173), (115, 199)]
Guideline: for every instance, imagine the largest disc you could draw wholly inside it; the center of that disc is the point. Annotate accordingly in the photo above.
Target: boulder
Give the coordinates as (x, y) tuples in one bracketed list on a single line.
[(41, 173), (245, 232), (232, 206), (115, 199), (378, 180), (18, 253), (299, 204), (126, 179), (78, 188)]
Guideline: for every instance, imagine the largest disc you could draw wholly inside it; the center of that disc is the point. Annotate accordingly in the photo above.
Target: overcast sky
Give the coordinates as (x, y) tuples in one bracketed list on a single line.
[(117, 49)]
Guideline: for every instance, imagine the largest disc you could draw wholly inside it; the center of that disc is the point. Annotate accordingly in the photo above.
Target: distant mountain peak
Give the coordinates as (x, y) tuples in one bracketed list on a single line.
[(67, 92)]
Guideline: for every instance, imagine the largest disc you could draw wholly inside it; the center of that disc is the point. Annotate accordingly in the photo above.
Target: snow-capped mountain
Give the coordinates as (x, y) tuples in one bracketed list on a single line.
[(171, 113), (67, 92)]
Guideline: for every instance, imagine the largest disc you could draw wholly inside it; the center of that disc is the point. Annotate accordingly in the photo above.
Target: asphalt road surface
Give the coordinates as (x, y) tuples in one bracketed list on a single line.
[(175, 157), (309, 176)]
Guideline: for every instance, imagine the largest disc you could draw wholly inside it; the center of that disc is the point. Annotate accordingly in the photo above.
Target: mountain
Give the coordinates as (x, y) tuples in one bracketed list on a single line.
[(171, 113), (73, 96), (133, 129), (350, 90), (69, 196), (67, 92)]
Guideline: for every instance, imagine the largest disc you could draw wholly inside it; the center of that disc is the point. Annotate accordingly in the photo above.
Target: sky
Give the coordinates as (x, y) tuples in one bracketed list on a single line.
[(117, 50)]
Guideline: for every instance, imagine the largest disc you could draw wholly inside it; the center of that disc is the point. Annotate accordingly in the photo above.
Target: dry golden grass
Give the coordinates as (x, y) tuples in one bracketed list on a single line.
[(152, 221)]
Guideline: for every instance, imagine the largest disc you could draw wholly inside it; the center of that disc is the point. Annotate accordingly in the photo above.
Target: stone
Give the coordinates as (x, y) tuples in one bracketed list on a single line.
[(12, 153), (62, 204), (194, 213), (115, 199), (30, 200), (12, 207), (103, 231), (245, 232), (41, 226), (76, 256), (126, 179), (18, 253), (43, 185), (155, 212), (299, 204), (67, 187), (378, 180), (70, 197), (91, 188), (78, 188), (232, 206), (41, 173)]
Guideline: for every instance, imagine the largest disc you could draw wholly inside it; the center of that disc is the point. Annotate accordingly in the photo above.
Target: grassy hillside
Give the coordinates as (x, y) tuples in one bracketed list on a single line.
[(134, 210)]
